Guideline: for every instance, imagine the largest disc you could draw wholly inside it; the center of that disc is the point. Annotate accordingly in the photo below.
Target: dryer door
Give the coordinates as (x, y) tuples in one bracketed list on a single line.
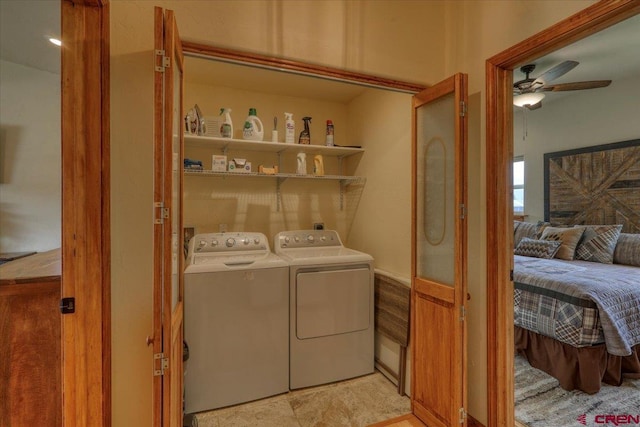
[(332, 302)]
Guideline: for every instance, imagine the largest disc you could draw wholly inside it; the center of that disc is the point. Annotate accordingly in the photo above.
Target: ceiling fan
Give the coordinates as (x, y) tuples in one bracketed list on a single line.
[(529, 92)]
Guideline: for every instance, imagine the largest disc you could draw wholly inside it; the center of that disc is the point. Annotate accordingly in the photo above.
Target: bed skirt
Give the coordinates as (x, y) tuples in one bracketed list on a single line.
[(584, 368)]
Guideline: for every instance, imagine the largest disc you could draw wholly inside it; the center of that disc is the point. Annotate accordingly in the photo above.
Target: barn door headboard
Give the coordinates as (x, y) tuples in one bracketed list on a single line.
[(594, 185)]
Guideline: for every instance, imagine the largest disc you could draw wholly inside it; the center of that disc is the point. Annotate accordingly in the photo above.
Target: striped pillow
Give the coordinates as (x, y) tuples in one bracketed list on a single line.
[(537, 248), (598, 243), (627, 249)]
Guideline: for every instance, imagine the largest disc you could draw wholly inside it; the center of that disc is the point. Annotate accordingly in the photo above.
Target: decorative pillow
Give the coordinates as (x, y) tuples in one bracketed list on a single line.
[(627, 250), (598, 243), (527, 229), (569, 237), (537, 248)]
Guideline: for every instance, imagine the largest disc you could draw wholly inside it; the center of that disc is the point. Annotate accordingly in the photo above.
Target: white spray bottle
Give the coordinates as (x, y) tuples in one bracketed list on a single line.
[(226, 129), (290, 128)]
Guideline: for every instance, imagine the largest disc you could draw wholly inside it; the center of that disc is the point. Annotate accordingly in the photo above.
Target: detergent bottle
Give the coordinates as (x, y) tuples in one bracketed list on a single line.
[(305, 135), (290, 128), (302, 164), (253, 129), (226, 128), (329, 138)]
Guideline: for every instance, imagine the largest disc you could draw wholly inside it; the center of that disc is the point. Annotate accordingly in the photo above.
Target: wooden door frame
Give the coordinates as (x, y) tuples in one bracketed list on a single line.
[(86, 223), (499, 152)]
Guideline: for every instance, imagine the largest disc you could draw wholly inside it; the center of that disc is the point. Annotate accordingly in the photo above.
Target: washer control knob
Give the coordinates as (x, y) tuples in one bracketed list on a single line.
[(214, 242), (246, 241), (287, 239), (296, 238), (323, 238), (256, 240), (202, 243), (230, 242), (310, 238)]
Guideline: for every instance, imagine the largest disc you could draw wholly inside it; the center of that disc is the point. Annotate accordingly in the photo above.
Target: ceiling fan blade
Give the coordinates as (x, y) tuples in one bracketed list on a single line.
[(555, 72), (576, 86), (534, 106)]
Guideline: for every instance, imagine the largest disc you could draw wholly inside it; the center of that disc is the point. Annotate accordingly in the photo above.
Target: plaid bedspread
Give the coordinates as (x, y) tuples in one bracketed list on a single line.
[(579, 303)]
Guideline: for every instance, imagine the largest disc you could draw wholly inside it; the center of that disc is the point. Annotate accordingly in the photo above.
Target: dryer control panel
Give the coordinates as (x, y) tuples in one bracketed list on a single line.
[(307, 239), (228, 242)]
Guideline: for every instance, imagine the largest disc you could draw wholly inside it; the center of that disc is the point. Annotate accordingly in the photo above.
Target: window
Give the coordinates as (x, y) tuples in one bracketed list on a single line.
[(518, 185)]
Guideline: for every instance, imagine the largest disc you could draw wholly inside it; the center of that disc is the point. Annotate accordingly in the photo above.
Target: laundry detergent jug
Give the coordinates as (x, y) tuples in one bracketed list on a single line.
[(253, 129)]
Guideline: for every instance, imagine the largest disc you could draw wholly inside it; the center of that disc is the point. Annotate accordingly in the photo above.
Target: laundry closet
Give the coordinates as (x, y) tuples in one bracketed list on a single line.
[(359, 187)]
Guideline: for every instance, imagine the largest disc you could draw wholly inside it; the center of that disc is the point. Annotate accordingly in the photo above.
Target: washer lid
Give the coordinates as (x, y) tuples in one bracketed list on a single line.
[(203, 263), (323, 255)]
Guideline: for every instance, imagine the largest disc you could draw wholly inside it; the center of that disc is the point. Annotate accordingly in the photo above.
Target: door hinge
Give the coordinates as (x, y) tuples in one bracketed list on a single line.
[(511, 275), (161, 214), (165, 61), (68, 305), (463, 211), (463, 415), (463, 313), (463, 109), (164, 364)]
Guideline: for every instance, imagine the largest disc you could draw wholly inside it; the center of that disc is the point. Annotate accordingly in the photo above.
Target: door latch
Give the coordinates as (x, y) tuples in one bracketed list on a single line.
[(68, 305)]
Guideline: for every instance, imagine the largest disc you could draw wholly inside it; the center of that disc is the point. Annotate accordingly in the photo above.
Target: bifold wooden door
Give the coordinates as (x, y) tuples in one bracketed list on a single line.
[(438, 292), (168, 257)]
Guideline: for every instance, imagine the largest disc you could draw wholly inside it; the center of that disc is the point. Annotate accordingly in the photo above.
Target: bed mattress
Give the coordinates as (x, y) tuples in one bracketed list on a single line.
[(579, 303)]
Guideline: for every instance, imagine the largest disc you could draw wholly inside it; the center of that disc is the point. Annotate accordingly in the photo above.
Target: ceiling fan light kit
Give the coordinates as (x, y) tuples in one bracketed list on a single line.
[(528, 92), (527, 99)]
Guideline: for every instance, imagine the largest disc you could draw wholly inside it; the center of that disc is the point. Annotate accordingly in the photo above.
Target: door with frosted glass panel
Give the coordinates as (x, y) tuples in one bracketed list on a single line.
[(168, 258), (438, 296)]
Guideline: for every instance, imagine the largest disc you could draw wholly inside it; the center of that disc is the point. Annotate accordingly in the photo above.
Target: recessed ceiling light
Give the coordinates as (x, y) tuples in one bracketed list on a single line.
[(55, 41)]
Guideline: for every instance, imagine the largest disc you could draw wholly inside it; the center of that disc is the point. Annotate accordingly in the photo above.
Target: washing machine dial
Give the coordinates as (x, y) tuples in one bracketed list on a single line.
[(246, 241), (296, 239), (287, 239), (214, 243), (202, 244), (323, 238), (310, 238), (230, 242), (256, 240)]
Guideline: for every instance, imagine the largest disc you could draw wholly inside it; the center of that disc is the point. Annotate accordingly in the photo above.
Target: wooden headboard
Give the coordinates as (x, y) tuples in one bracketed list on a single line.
[(594, 185)]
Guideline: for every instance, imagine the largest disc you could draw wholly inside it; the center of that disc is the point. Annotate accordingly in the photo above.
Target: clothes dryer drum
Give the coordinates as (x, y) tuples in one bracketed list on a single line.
[(331, 298), (236, 321)]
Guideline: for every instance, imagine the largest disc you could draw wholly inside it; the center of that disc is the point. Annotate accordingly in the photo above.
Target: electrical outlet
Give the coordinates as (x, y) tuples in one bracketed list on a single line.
[(222, 228), (318, 225)]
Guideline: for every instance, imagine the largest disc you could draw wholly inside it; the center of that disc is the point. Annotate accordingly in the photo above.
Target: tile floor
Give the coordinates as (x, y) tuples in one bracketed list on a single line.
[(352, 403)]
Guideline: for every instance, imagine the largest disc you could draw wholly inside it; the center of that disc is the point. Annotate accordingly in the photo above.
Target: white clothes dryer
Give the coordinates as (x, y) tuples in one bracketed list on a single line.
[(331, 308), (236, 298)]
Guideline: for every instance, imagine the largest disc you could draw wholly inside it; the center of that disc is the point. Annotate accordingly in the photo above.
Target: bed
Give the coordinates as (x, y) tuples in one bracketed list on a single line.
[(578, 320)]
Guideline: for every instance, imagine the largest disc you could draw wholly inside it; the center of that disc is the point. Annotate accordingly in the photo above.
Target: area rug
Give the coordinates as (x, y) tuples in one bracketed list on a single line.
[(540, 402)]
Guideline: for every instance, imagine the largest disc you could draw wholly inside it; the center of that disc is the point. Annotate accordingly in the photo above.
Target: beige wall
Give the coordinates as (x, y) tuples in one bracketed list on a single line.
[(408, 40), (479, 30)]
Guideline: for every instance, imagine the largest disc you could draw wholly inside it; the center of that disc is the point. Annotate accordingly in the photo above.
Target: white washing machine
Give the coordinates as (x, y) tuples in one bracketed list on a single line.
[(236, 298), (331, 308)]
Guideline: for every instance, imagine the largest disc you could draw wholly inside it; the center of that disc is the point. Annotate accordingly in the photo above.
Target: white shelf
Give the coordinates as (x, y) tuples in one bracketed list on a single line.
[(225, 144), (282, 176)]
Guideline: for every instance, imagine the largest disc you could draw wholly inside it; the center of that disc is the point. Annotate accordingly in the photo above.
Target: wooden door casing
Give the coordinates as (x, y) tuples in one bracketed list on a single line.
[(86, 221), (499, 155)]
